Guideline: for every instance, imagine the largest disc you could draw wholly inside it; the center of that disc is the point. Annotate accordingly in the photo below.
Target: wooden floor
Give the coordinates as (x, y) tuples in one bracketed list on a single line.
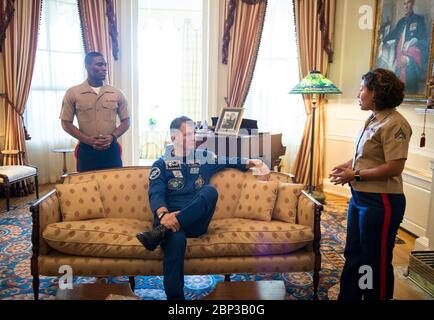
[(405, 289)]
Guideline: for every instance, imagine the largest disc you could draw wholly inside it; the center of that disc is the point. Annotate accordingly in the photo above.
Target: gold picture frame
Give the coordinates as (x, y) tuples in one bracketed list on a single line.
[(408, 53), (229, 122)]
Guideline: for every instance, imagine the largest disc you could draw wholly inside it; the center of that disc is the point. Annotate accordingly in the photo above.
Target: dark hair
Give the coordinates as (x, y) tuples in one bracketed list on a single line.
[(388, 88), (89, 57), (177, 122)]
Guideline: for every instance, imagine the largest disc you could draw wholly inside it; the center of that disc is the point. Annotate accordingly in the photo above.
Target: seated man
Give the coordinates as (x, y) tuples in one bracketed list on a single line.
[(182, 199)]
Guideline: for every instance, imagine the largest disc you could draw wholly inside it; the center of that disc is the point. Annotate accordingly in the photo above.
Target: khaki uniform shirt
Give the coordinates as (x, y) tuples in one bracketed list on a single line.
[(385, 137), (96, 113)]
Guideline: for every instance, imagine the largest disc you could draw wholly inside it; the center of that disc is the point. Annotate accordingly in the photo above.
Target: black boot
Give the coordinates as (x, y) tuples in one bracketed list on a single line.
[(151, 239)]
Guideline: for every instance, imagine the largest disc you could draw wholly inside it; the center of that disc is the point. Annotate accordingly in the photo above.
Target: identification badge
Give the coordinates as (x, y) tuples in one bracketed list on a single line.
[(194, 170), (173, 164), (175, 184), (199, 182), (177, 174)]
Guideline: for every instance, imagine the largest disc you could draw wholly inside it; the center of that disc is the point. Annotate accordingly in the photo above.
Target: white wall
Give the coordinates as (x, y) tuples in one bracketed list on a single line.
[(344, 119)]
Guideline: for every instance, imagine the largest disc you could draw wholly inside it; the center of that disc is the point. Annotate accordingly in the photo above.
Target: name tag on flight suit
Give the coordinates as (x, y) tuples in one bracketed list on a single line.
[(173, 164)]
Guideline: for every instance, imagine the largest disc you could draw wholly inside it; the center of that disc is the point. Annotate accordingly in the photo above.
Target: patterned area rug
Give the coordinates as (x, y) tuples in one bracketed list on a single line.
[(16, 281)]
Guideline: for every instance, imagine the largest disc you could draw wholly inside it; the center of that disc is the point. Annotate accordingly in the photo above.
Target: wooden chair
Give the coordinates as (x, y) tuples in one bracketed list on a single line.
[(16, 173)]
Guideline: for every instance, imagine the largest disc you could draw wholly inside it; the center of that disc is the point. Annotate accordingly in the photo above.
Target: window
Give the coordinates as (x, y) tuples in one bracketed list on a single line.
[(170, 60), (59, 65), (276, 73)]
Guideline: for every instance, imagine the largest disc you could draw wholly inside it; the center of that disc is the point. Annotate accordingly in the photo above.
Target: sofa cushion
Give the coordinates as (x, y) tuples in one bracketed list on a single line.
[(245, 237), (257, 200), (124, 192), (115, 238), (229, 184), (286, 202), (80, 201), (109, 237)]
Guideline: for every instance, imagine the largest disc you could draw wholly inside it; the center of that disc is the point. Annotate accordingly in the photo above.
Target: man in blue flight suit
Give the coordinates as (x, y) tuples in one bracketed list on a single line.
[(182, 200)]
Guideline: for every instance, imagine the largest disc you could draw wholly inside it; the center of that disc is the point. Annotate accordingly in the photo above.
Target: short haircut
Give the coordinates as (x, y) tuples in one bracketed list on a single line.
[(177, 122), (89, 57), (388, 88)]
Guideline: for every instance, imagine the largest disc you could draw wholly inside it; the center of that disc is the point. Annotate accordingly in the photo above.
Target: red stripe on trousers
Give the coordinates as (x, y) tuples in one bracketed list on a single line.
[(76, 156), (384, 236)]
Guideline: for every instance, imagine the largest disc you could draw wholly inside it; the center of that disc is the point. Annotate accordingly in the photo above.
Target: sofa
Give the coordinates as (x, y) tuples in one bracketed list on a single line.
[(108, 246)]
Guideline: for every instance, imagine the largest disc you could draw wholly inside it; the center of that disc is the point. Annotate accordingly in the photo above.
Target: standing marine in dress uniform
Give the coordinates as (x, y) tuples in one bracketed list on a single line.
[(96, 106), (377, 205), (182, 200)]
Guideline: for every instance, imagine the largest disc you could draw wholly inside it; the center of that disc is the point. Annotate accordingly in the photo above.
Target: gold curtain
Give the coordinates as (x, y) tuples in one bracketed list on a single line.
[(99, 27), (315, 27), (19, 52), (243, 30)]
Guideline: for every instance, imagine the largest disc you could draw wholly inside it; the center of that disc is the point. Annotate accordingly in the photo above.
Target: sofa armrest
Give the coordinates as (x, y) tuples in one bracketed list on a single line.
[(45, 211), (309, 214), (308, 210)]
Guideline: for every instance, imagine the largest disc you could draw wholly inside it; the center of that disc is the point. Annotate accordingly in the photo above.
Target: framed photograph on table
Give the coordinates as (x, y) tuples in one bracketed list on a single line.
[(229, 121), (403, 43)]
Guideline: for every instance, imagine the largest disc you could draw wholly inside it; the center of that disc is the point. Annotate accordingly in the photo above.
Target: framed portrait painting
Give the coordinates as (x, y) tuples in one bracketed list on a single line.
[(229, 121), (403, 43)]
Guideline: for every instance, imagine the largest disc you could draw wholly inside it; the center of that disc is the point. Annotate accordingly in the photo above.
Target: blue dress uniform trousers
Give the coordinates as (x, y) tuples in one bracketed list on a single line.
[(89, 159), (373, 221), (194, 220)]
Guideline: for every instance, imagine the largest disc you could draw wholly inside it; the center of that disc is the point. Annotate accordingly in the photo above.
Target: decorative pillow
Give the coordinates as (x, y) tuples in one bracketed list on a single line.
[(80, 201), (286, 203), (257, 200)]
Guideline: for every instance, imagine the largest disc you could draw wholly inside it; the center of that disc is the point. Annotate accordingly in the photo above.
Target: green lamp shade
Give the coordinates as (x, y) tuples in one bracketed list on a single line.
[(315, 83)]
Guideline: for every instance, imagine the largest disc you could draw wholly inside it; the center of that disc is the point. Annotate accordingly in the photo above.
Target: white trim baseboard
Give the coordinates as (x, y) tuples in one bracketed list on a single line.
[(412, 227), (421, 243)]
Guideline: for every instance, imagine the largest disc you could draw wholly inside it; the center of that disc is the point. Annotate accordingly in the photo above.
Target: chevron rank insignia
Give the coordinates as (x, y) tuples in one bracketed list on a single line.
[(400, 135)]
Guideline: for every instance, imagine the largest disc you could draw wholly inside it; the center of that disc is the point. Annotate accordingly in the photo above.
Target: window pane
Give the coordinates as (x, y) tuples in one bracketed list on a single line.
[(170, 45), (170, 74), (64, 13), (70, 64), (41, 74)]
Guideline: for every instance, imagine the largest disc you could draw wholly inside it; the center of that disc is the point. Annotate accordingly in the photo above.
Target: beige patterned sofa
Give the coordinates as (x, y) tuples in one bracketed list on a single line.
[(108, 247)]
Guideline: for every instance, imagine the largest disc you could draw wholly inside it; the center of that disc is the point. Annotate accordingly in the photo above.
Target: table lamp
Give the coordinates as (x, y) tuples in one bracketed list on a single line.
[(314, 83)]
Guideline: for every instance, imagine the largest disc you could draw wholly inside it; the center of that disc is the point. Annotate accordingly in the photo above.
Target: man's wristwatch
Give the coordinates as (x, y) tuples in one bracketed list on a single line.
[(162, 214), (357, 176)]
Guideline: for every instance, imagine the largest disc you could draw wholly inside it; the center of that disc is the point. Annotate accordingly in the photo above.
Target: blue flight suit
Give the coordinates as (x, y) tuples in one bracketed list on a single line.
[(182, 184)]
